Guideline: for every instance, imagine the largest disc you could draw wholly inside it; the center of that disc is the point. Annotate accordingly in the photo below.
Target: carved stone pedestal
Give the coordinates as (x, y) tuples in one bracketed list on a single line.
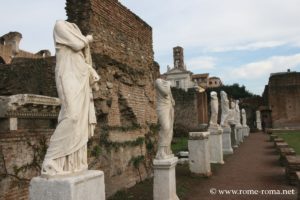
[(199, 153), (164, 187), (246, 131), (226, 139), (216, 145), (87, 185)]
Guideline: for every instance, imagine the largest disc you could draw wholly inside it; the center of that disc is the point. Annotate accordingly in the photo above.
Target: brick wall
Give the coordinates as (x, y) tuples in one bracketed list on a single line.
[(17, 150), (117, 31), (31, 76), (6, 52), (190, 110), (284, 99)]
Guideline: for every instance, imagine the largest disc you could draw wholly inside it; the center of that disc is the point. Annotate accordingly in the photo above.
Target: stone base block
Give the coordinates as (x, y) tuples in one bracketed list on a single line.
[(199, 155), (246, 131), (164, 187), (87, 185), (216, 146), (226, 140)]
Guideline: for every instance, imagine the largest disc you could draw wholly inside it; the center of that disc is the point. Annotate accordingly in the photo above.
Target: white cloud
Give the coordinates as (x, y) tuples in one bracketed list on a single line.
[(201, 63), (213, 24), (250, 46), (263, 68)]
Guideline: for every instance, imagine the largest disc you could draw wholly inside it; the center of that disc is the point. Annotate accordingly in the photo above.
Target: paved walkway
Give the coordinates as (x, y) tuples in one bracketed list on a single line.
[(253, 166)]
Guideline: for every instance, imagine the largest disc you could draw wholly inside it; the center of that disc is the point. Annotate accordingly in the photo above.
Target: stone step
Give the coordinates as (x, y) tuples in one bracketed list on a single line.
[(293, 165)]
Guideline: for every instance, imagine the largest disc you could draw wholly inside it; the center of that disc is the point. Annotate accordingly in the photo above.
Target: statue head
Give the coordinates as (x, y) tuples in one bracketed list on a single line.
[(223, 95), (213, 95), (243, 111)]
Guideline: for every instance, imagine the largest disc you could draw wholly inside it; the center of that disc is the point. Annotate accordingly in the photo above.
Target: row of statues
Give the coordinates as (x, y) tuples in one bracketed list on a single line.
[(75, 78), (228, 115)]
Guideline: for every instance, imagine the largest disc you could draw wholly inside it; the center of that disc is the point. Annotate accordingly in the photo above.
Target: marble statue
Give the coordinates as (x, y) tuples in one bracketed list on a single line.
[(237, 113), (214, 107), (225, 111), (244, 118), (258, 120), (165, 113), (231, 117), (75, 77)]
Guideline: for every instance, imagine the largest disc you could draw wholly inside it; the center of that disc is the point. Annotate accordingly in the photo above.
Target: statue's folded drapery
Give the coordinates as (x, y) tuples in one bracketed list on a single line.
[(165, 114), (67, 151)]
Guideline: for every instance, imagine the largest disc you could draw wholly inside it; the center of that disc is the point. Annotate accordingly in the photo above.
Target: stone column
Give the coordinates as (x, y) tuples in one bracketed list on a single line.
[(164, 186), (199, 155), (226, 139), (233, 136), (215, 145), (88, 184)]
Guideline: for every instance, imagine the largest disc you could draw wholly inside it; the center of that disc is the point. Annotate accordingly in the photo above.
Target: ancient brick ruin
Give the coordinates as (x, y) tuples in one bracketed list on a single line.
[(125, 136), (282, 98), (9, 49), (191, 111)]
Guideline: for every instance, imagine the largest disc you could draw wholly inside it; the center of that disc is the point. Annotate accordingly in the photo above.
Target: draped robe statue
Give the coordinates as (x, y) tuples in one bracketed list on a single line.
[(237, 113), (74, 75), (231, 117), (214, 108), (244, 118), (165, 113), (225, 115)]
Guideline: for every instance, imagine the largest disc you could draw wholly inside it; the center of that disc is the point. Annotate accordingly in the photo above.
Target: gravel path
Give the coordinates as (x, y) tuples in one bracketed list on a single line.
[(253, 166)]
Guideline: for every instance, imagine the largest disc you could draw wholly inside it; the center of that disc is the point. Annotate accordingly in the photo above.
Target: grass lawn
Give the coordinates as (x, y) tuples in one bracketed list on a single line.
[(293, 139), (179, 144)]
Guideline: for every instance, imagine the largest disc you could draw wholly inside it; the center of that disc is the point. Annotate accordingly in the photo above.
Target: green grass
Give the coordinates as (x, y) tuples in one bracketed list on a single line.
[(293, 139), (179, 144)]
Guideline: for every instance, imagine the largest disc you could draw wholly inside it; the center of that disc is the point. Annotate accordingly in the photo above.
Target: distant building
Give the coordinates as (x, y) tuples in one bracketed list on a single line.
[(184, 79), (9, 49), (201, 79), (214, 82), (179, 76)]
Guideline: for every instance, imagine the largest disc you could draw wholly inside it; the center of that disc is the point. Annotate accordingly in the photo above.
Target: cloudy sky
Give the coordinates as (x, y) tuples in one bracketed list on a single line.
[(240, 41)]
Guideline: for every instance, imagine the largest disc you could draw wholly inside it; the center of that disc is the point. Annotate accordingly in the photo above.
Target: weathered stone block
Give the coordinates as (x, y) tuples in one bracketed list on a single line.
[(216, 146), (86, 185), (293, 165), (199, 153), (226, 140), (164, 187)]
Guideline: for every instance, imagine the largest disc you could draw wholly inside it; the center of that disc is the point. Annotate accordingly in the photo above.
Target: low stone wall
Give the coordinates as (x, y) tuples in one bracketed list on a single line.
[(125, 155)]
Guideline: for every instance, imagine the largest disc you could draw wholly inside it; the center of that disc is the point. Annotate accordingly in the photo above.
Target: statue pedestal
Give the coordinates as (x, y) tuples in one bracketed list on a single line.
[(226, 139), (85, 185), (239, 134), (246, 131), (215, 145), (199, 155), (164, 187)]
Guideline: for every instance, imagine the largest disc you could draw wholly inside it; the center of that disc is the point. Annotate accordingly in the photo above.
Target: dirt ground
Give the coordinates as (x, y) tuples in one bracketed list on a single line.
[(253, 168)]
